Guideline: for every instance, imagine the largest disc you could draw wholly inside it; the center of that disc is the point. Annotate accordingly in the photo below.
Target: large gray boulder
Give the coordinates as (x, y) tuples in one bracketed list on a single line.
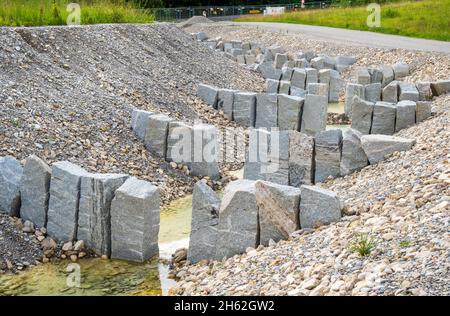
[(353, 157), (205, 151), (362, 115), (388, 75), (425, 92), (34, 191), (390, 92), (208, 94), (423, 110), (205, 218), (135, 219), (406, 115), (63, 207), (352, 89), (279, 60), (157, 132), (301, 159), (10, 176), (318, 207), (238, 219), (362, 76), (298, 78), (312, 76), (244, 108), (408, 91), (383, 121), (139, 120), (401, 70), (328, 154), (440, 87), (285, 87), (179, 142), (272, 85), (266, 110), (372, 92), (377, 147), (278, 209), (94, 216), (314, 117), (289, 111), (257, 155), (225, 100)]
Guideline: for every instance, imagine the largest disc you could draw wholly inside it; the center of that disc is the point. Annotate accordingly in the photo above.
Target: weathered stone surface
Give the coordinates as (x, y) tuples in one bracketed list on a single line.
[(312, 76), (205, 151), (440, 87), (34, 191), (277, 168), (352, 89), (278, 208), (179, 143), (406, 115), (425, 92), (157, 132), (208, 94), (285, 87), (286, 73), (139, 119), (377, 147), (257, 155), (298, 78), (289, 112), (301, 159), (388, 75), (353, 157), (308, 55), (250, 59), (236, 52), (362, 115), (279, 60), (10, 177), (362, 76), (301, 63), (345, 60), (135, 221), (423, 110), (318, 63), (63, 207), (240, 59), (94, 215), (318, 89), (201, 36), (266, 110), (272, 85), (408, 91), (205, 218), (298, 92), (244, 108), (376, 75), (238, 219), (372, 92), (328, 154), (289, 64), (267, 71), (314, 117), (318, 207), (390, 92), (333, 80), (225, 101), (383, 121), (401, 70)]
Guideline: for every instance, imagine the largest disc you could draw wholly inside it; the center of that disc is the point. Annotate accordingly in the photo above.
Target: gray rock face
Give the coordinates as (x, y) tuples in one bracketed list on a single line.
[(279, 60), (318, 89), (362, 115), (286, 73), (423, 111), (362, 76), (377, 147), (388, 75), (266, 110), (277, 169), (225, 101), (318, 207), (10, 176), (298, 92), (318, 63), (267, 71), (312, 76), (272, 86), (401, 70), (314, 117), (440, 87), (240, 59), (205, 151), (244, 108), (390, 92), (383, 121), (208, 94), (352, 89), (285, 87), (328, 154), (157, 132), (408, 91), (406, 115), (63, 207), (135, 221), (372, 92), (308, 55), (201, 36), (205, 218), (425, 92), (250, 59), (257, 154), (238, 219), (353, 157), (179, 142), (301, 159), (139, 120), (34, 191), (334, 86), (289, 112), (94, 215), (345, 60), (376, 75), (301, 63), (298, 78), (278, 207)]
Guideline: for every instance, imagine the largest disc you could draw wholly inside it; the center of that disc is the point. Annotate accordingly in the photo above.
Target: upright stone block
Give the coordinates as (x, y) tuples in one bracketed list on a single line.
[(378, 147), (205, 151), (328, 154), (34, 191), (376, 75), (318, 89), (312, 76), (301, 63), (314, 117), (318, 63), (298, 92), (63, 208), (10, 177), (318, 207), (388, 75), (390, 92), (406, 115), (240, 59), (257, 155), (285, 87), (225, 101), (208, 94), (286, 73), (272, 86), (440, 87), (179, 143), (157, 133), (301, 159), (279, 60), (268, 71), (250, 59), (383, 121), (425, 92), (353, 157), (352, 89), (238, 219), (372, 92), (277, 168), (278, 207), (423, 110), (135, 221), (401, 70), (205, 218), (362, 76), (244, 108), (139, 119), (308, 55), (298, 79), (289, 112), (334, 86), (362, 115), (408, 91), (266, 110)]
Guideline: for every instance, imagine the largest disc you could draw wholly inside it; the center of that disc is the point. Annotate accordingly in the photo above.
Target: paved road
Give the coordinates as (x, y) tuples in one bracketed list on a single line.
[(362, 38)]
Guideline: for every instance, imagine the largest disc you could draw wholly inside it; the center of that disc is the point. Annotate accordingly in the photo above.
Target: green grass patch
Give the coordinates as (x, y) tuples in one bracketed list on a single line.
[(363, 245), (54, 12), (424, 19)]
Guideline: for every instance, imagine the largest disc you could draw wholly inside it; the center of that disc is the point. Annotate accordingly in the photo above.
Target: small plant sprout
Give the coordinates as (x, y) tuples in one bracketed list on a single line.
[(363, 245)]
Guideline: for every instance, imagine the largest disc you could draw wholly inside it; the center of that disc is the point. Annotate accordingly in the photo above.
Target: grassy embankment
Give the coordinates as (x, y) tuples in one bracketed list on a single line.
[(54, 12), (425, 19)]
